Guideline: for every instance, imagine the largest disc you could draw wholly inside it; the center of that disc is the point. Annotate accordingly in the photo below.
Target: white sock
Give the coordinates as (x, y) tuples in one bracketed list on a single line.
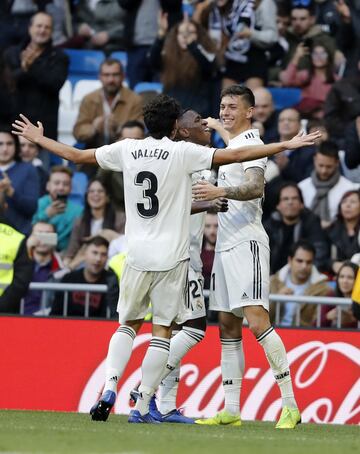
[(276, 355), (232, 370), (120, 348), (152, 368), (181, 342)]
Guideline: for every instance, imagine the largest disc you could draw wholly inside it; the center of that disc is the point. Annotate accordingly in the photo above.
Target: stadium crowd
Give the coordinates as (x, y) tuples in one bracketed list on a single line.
[(67, 222)]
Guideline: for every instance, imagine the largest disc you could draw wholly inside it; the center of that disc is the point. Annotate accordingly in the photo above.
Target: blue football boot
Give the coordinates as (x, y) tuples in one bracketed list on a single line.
[(100, 411)]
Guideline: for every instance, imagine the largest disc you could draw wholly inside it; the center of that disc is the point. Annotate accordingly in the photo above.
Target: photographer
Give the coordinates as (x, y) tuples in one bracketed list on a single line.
[(55, 208)]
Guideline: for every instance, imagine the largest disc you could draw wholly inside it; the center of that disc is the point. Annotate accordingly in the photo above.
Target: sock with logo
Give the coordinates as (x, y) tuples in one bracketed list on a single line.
[(120, 348), (232, 370), (181, 342), (153, 366), (276, 355)]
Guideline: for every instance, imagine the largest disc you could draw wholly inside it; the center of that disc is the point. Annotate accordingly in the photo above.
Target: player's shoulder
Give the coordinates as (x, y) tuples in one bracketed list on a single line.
[(248, 137)]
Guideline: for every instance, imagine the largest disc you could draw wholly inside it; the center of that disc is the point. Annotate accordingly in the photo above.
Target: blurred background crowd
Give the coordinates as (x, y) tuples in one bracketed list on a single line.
[(84, 68)]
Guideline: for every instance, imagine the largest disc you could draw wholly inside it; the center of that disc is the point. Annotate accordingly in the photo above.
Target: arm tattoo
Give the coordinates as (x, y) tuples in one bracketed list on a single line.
[(252, 188)]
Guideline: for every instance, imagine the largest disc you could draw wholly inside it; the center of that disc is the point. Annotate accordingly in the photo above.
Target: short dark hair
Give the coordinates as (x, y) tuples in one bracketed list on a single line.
[(328, 148), (160, 115), (239, 90), (7, 130), (61, 169), (112, 61), (301, 244), (133, 124), (315, 123), (97, 240), (289, 184)]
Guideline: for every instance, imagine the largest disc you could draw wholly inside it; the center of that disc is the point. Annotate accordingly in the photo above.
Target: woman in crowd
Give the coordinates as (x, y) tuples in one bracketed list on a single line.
[(345, 281), (99, 218), (343, 234), (19, 181), (185, 57), (315, 82)]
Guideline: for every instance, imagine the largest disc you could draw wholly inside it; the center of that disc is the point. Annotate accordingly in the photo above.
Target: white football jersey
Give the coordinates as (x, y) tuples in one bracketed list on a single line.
[(157, 187), (242, 222), (197, 226)]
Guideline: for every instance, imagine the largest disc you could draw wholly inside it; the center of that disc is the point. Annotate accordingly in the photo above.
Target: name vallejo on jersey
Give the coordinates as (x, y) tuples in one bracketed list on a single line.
[(156, 153)]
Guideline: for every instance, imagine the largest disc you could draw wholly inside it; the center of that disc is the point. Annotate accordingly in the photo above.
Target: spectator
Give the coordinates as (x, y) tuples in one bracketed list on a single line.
[(186, 60), (345, 281), (352, 144), (55, 208), (15, 265), (41, 248), (7, 95), (343, 234), (19, 181), (115, 180), (299, 277), (94, 272), (208, 248), (324, 189), (98, 215), (290, 223), (101, 24), (315, 82), (104, 110), (265, 116), (29, 152), (39, 71)]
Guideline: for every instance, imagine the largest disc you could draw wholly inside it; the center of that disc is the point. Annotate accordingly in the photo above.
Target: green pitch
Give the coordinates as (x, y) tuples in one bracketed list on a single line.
[(71, 433)]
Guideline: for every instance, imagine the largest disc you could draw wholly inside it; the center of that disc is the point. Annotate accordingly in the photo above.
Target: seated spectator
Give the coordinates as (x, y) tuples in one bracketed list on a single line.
[(101, 25), (98, 215), (345, 281), (94, 272), (55, 208), (185, 57), (39, 70), (103, 111), (343, 234), (29, 152), (19, 181), (315, 82), (299, 277), (15, 264), (325, 187), (115, 180), (290, 223), (41, 248), (265, 118)]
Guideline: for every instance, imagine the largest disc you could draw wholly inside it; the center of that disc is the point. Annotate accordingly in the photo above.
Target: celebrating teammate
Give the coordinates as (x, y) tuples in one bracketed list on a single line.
[(240, 275), (157, 180)]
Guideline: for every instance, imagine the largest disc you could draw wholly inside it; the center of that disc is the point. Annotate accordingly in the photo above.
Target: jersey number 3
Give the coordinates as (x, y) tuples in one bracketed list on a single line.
[(149, 183)]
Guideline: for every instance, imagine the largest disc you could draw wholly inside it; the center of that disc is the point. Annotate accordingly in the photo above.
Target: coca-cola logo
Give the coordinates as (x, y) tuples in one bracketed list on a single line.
[(325, 377)]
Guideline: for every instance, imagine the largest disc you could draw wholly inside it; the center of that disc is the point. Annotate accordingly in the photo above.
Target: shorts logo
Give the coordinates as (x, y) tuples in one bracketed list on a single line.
[(222, 175), (244, 296)]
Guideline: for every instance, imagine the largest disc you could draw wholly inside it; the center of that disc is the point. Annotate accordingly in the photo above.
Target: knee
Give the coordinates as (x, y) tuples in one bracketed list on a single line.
[(198, 323)]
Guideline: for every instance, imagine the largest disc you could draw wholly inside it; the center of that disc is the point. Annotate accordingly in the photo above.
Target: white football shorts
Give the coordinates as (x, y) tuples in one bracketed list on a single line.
[(240, 277), (196, 295), (167, 291)]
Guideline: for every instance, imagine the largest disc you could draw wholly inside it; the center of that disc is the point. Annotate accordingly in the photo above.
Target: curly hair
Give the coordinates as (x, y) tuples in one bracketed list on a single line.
[(160, 115)]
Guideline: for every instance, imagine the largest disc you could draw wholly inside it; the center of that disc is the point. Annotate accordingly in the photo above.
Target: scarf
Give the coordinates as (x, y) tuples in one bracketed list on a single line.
[(320, 203)]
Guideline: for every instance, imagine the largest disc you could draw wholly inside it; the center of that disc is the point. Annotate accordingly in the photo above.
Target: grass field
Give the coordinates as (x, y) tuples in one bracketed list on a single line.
[(47, 432)]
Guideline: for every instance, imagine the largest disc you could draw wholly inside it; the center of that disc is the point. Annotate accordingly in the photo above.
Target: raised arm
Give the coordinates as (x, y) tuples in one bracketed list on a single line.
[(252, 152), (35, 134)]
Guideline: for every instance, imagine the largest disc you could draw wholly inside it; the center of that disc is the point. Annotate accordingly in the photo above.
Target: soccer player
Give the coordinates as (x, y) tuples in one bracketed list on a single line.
[(240, 275), (157, 180)]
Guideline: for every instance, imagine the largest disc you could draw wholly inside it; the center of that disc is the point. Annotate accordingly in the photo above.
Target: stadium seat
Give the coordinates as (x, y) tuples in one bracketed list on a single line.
[(84, 64), (142, 87), (79, 186), (65, 95), (285, 97), (67, 119), (122, 56), (82, 88)]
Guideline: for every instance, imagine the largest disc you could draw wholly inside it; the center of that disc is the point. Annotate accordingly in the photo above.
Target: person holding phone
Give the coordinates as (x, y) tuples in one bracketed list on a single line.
[(55, 208)]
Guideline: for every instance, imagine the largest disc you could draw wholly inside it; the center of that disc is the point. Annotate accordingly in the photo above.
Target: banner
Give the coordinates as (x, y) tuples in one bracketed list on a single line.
[(59, 364)]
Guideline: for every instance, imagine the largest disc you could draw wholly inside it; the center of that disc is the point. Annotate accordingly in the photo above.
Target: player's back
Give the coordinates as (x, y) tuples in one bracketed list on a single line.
[(157, 186)]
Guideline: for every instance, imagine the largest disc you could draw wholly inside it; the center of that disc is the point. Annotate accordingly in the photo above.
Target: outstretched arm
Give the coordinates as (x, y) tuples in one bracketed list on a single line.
[(35, 134), (252, 152), (251, 188)]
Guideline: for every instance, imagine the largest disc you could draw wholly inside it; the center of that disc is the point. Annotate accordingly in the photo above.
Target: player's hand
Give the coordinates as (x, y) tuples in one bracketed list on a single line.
[(26, 129), (302, 140), (220, 205), (203, 190)]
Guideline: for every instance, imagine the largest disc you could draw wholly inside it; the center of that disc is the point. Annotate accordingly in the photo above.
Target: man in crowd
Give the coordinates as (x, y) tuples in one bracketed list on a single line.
[(298, 277), (208, 247), (290, 223), (265, 117), (55, 207), (94, 272), (15, 264)]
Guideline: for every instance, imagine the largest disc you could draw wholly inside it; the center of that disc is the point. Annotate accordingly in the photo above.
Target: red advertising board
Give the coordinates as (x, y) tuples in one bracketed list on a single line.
[(56, 364)]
